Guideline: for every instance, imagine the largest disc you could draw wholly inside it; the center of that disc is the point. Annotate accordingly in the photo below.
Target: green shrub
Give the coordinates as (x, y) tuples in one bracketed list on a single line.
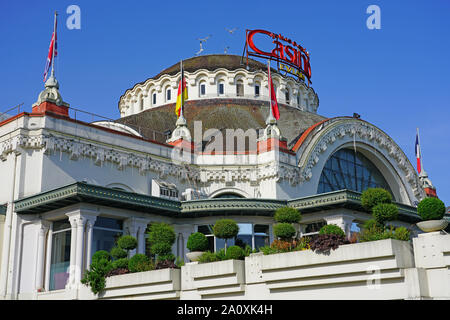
[(401, 233), (179, 262), (208, 256), (140, 262), (431, 209), (197, 242), (121, 263), (161, 248), (287, 215), (162, 237), (118, 253), (127, 242), (373, 196), (332, 229), (220, 254), (225, 229), (235, 252), (284, 231), (161, 232), (166, 257), (95, 276), (101, 254), (383, 212)]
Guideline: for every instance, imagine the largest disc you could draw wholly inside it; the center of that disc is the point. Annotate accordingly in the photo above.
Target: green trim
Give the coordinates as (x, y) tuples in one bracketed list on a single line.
[(85, 193)]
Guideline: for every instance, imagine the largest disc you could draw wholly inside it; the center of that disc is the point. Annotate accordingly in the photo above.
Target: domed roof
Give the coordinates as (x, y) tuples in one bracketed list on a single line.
[(218, 113)]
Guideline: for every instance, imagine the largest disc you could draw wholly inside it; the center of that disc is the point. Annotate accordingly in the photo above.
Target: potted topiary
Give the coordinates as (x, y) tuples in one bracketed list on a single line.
[(431, 210), (197, 243)]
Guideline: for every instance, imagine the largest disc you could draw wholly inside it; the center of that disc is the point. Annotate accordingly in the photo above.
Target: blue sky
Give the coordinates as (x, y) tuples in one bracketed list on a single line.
[(396, 78)]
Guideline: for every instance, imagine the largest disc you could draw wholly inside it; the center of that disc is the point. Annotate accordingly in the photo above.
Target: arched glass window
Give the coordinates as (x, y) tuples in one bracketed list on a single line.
[(257, 88), (168, 95), (154, 98), (240, 88), (221, 88), (347, 169), (202, 89), (287, 96), (229, 195)]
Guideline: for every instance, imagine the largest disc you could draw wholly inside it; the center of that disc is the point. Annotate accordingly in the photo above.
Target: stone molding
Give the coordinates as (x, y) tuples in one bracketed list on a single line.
[(361, 132)]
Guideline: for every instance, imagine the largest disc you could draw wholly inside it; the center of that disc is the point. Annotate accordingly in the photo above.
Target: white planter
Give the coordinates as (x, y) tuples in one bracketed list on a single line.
[(432, 225), (194, 255)]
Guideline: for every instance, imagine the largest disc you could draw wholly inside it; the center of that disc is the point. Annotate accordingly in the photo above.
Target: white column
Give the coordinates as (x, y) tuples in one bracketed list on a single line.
[(81, 222), (39, 280), (73, 243), (89, 231)]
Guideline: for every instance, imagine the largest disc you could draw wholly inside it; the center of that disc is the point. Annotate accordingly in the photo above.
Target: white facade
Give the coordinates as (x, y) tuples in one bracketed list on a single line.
[(41, 152)]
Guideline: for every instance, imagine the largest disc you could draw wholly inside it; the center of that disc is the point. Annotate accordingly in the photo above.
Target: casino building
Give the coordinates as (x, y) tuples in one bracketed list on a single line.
[(70, 187)]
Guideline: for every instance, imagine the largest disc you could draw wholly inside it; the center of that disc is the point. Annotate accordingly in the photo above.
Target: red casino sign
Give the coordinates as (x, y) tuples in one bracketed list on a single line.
[(290, 56)]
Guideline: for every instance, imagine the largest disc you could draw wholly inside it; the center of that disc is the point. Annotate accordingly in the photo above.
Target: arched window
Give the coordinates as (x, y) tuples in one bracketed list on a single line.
[(257, 89), (347, 169), (240, 88), (168, 94), (154, 98), (202, 89), (287, 96), (229, 195), (299, 99), (221, 88), (141, 103)]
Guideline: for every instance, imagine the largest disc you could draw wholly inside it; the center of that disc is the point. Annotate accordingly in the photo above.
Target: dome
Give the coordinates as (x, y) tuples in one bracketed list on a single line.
[(223, 94)]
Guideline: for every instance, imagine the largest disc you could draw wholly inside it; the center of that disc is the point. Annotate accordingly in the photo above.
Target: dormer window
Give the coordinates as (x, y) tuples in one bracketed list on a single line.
[(164, 190)]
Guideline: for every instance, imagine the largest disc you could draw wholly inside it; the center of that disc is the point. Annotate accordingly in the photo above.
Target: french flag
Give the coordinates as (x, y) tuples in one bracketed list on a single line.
[(51, 54), (418, 155)]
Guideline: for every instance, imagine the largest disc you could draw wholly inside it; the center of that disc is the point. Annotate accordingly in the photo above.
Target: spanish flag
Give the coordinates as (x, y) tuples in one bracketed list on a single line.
[(182, 93)]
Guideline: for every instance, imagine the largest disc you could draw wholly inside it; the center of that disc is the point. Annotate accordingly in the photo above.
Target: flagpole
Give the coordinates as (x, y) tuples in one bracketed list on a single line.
[(181, 84), (54, 46)]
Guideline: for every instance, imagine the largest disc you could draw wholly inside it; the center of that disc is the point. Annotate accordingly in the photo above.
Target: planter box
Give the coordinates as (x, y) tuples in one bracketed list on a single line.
[(213, 280), (370, 270), (155, 284)]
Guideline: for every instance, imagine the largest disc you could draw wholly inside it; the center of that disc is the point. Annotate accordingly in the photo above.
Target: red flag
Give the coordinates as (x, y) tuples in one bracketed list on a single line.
[(51, 54), (273, 97)]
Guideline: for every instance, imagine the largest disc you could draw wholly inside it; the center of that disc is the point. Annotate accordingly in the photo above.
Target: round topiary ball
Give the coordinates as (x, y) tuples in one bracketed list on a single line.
[(120, 263), (118, 253), (99, 255), (373, 196), (332, 229), (431, 209), (383, 212), (161, 232), (288, 215), (284, 230), (127, 242), (235, 252), (197, 242), (225, 229)]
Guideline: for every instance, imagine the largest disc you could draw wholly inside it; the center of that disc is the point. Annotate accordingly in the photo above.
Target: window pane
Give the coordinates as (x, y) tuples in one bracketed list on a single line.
[(60, 260), (257, 90), (109, 223), (221, 88), (104, 239), (350, 170)]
